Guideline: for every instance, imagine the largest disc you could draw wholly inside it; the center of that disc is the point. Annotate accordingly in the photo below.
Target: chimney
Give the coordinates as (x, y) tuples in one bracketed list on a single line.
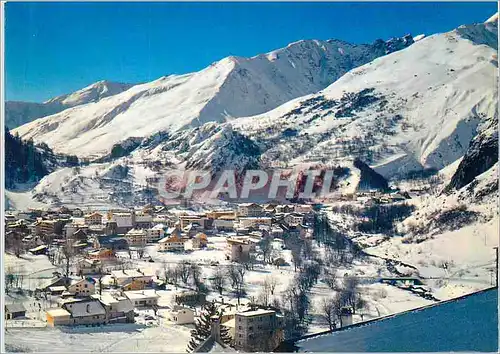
[(215, 329)]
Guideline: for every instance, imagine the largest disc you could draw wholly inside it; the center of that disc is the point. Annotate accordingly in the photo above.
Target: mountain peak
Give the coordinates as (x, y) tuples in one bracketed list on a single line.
[(91, 93), (493, 18)]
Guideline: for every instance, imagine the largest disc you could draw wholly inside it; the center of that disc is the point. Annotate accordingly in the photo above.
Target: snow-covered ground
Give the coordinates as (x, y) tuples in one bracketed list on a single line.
[(168, 338)]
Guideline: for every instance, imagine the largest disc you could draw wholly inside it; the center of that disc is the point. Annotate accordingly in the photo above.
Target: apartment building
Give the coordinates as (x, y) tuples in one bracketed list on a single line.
[(237, 250), (94, 218), (249, 209), (258, 330)]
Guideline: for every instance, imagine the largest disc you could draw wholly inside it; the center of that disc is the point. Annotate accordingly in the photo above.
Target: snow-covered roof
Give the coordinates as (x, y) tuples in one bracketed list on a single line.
[(258, 312), (141, 294), (57, 288), (86, 308), (16, 307), (58, 312), (130, 273)]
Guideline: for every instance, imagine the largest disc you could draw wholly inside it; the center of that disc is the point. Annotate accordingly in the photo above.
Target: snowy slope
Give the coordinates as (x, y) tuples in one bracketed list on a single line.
[(18, 113), (413, 109), (232, 87)]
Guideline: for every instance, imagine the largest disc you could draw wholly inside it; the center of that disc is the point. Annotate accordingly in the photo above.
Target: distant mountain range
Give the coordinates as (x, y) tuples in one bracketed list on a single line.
[(106, 113), (399, 106), (18, 113)]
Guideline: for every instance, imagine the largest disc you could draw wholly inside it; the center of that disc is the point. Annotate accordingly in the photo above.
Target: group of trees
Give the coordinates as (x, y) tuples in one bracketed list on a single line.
[(377, 218), (13, 278), (233, 277), (186, 274), (14, 243), (347, 296), (24, 163), (203, 327)]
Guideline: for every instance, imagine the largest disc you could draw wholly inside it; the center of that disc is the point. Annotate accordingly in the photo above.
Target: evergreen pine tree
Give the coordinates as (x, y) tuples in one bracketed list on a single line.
[(202, 327), (224, 334)]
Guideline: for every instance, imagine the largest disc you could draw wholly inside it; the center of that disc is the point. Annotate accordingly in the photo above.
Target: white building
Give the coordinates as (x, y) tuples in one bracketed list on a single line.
[(294, 219), (249, 209), (172, 243), (223, 224), (237, 250), (143, 298), (124, 222), (156, 233), (182, 315), (121, 277), (81, 287), (247, 222)]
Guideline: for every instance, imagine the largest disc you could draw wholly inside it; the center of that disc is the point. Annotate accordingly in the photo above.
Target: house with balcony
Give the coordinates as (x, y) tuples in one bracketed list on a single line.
[(249, 210), (94, 218), (80, 287), (172, 243)]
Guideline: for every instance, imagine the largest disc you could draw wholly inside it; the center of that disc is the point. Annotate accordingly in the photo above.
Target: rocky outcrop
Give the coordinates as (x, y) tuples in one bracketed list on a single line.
[(369, 179), (481, 155)]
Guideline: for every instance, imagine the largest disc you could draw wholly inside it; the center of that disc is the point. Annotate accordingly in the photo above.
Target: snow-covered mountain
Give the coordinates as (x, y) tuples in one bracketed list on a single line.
[(411, 110), (416, 109), (231, 88), (18, 113)]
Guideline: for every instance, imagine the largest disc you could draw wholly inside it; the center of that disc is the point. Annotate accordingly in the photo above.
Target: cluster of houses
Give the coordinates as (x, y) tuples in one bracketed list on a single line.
[(99, 235), (99, 291)]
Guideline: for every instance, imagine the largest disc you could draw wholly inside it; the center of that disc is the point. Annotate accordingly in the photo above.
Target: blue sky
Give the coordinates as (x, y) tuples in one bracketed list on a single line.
[(56, 48)]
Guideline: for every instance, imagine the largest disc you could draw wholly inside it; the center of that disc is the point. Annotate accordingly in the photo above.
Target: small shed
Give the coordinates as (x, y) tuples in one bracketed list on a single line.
[(57, 290), (42, 249), (14, 311), (182, 315)]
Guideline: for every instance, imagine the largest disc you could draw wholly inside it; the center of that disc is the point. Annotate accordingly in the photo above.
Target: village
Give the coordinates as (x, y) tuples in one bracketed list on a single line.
[(247, 273), (98, 283)]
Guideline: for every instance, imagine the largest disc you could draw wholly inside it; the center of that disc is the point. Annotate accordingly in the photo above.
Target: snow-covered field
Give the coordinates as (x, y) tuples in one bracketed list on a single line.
[(167, 338)]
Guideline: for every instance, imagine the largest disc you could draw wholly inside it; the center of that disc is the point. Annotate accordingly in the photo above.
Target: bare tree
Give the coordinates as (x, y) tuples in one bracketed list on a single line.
[(9, 278), (184, 272), (236, 274), (218, 280), (263, 298), (195, 274), (140, 250), (166, 275), (67, 255), (328, 311), (330, 278), (100, 275), (271, 282), (296, 256), (251, 261), (266, 247), (350, 293), (172, 274)]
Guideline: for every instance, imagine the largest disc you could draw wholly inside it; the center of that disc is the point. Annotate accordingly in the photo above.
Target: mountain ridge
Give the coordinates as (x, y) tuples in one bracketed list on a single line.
[(18, 113), (227, 89)]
